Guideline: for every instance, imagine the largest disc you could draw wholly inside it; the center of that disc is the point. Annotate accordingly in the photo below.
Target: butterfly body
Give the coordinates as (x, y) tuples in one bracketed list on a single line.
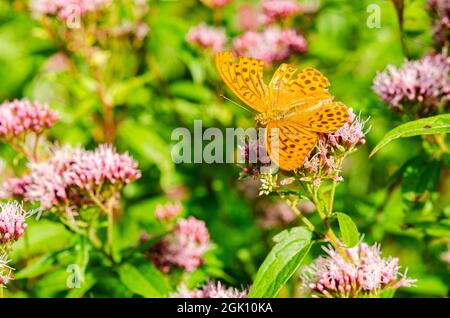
[(294, 107)]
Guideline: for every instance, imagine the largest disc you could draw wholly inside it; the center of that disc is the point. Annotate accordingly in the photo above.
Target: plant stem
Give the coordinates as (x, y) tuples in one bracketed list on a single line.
[(110, 231), (300, 215), (441, 143), (110, 213), (1, 292), (329, 235), (331, 201)]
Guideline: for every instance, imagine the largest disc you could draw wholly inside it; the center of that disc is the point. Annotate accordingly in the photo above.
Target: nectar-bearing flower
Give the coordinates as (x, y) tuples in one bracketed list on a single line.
[(184, 247), (63, 9), (19, 117), (167, 211), (326, 159), (209, 290), (89, 169), (64, 178), (5, 270), (366, 274), (207, 37), (275, 10), (12, 221), (425, 82), (271, 45)]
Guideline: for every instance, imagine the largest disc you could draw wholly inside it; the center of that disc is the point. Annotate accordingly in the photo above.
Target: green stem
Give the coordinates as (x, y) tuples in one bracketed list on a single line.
[(441, 143), (329, 234), (300, 215), (1, 291), (110, 231)]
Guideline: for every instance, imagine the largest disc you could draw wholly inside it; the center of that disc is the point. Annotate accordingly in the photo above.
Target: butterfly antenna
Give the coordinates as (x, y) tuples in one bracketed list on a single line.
[(237, 104)]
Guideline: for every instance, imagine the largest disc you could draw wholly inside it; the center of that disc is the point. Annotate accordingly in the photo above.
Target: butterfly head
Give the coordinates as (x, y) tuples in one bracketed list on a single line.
[(261, 119)]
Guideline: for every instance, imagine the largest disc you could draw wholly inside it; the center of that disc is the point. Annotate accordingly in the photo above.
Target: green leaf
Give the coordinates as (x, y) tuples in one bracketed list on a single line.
[(426, 126), (349, 231), (190, 91), (144, 280), (283, 260), (151, 147)]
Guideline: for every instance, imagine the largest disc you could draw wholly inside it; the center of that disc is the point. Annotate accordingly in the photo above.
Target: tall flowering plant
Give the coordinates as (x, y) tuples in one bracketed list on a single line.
[(68, 182), (90, 38), (350, 268)]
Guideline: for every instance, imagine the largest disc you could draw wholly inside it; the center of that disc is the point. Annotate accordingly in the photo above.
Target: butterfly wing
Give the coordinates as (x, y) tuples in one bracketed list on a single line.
[(245, 79), (288, 88), (289, 143), (325, 118)]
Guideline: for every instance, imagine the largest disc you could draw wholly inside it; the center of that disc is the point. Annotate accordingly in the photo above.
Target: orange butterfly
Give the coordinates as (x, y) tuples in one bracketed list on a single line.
[(294, 107)]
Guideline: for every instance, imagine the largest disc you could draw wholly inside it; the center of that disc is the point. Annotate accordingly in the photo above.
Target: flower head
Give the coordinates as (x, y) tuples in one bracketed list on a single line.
[(274, 10), (268, 183), (12, 221), (167, 211), (22, 116), (324, 161), (89, 169), (249, 17), (272, 45), (14, 186), (69, 171), (350, 135), (46, 183), (65, 8), (210, 290), (254, 156), (5, 270), (207, 37), (367, 273), (184, 247), (425, 82)]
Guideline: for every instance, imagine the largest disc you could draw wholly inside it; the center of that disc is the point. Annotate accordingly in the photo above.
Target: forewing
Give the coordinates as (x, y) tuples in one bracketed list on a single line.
[(289, 89), (245, 79)]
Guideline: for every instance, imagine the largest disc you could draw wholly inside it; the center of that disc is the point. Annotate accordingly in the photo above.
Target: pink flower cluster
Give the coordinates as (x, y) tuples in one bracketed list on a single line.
[(5, 270), (426, 81), (210, 290), (207, 37), (184, 247), (366, 274), (440, 10), (66, 8), (22, 116), (167, 211), (51, 182), (89, 169), (350, 135), (324, 160), (275, 10), (272, 45), (14, 186), (12, 221), (216, 3), (255, 157)]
